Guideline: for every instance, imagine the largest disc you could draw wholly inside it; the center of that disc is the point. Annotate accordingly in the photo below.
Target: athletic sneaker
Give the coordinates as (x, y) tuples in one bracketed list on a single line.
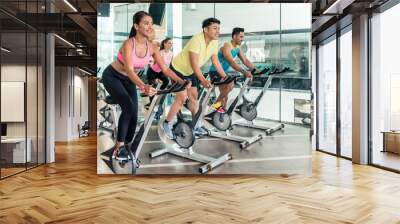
[(221, 110), (122, 154), (158, 113), (217, 105), (167, 126), (200, 131)]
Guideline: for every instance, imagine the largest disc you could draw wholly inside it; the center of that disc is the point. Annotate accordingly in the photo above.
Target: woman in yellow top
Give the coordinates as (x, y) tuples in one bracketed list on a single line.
[(200, 48)]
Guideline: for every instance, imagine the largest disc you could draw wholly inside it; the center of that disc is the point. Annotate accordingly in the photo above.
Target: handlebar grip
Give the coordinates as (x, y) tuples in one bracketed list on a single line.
[(176, 87), (265, 70), (226, 81)]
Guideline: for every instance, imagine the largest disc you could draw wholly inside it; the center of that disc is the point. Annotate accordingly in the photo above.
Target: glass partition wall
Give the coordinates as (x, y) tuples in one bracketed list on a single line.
[(385, 90), (334, 94), (326, 130), (22, 87), (281, 40)]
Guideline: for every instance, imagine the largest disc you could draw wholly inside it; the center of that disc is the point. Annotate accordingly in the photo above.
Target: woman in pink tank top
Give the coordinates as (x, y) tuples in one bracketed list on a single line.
[(121, 78), (154, 72)]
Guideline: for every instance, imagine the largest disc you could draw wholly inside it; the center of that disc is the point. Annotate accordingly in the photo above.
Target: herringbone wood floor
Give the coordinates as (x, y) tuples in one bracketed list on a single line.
[(70, 191)]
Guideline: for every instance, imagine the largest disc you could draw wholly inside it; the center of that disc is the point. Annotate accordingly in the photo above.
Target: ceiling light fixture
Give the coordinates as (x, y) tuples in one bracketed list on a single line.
[(64, 40), (70, 5), (337, 7), (84, 71), (5, 49)]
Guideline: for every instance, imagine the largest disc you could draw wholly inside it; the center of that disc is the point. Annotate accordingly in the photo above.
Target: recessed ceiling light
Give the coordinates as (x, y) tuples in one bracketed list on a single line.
[(64, 40), (70, 5), (86, 72), (5, 49)]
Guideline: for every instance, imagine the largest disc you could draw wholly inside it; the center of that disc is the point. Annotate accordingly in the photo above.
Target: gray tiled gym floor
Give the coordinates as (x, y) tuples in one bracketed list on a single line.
[(284, 152)]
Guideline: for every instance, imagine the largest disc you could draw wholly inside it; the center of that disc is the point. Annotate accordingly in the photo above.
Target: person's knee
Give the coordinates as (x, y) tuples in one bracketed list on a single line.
[(192, 100), (224, 89), (181, 97), (231, 86), (192, 93)]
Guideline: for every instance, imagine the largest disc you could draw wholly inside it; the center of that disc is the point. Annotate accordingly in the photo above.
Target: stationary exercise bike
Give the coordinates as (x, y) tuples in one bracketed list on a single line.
[(223, 121), (109, 112), (248, 109), (131, 164), (184, 139)]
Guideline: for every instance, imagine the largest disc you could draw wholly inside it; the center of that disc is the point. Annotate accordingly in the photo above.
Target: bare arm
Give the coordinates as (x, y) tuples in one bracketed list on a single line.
[(226, 52), (165, 70), (217, 65), (245, 61), (227, 55)]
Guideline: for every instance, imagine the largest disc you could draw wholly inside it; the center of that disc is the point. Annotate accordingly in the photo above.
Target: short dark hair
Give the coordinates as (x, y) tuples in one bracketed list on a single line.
[(237, 30), (210, 21)]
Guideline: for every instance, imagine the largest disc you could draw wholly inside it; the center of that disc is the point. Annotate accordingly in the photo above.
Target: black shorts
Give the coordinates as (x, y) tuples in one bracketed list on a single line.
[(153, 75), (192, 78), (214, 76)]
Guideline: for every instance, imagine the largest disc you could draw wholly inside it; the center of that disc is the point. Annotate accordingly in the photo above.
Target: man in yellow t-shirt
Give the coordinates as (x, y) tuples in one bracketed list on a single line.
[(200, 48)]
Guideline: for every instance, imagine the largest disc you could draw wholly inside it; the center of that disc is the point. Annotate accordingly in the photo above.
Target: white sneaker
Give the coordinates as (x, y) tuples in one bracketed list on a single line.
[(200, 131), (168, 129)]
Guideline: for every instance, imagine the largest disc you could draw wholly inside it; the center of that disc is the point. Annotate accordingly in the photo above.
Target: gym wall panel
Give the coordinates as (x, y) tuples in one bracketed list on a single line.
[(12, 101), (14, 73), (71, 102), (253, 17), (193, 15)]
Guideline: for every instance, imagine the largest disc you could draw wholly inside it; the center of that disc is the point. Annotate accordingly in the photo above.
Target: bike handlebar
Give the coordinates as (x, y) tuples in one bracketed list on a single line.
[(229, 79), (176, 87)]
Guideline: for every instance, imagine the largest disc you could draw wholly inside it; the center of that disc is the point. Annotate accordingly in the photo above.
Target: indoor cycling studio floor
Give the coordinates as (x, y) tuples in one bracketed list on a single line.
[(284, 152)]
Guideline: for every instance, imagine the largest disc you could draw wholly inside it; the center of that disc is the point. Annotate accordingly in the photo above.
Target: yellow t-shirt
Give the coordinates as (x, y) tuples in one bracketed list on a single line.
[(196, 44)]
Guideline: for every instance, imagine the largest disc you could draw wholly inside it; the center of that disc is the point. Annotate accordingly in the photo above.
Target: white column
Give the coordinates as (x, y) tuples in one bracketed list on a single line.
[(50, 98), (177, 27)]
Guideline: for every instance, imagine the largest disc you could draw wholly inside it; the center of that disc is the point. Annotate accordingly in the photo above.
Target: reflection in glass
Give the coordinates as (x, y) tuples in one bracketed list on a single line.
[(346, 94), (41, 79), (385, 89), (13, 86), (31, 98), (327, 96)]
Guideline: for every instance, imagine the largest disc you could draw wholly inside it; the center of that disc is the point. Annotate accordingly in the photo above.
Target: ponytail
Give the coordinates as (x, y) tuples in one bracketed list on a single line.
[(163, 42), (133, 32)]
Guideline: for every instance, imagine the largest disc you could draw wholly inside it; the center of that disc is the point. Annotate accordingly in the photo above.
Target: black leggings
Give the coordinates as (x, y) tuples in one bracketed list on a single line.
[(123, 91)]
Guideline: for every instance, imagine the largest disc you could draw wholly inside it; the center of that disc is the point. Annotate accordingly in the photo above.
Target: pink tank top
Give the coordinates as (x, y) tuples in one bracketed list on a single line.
[(167, 60), (138, 63)]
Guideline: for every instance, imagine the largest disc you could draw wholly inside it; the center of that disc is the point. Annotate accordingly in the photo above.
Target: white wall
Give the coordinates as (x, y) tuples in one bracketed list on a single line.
[(70, 84), (61, 103), (251, 16), (296, 16), (192, 19)]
